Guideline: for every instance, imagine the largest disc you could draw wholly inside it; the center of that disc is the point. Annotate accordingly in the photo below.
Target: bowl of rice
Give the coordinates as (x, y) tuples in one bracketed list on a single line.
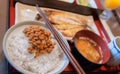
[(31, 48)]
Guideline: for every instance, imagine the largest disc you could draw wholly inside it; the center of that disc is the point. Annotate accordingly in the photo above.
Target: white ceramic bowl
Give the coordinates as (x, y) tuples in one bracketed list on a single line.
[(57, 70)]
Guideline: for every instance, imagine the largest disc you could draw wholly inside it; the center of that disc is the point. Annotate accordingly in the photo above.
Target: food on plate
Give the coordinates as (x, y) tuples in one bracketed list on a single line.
[(61, 17), (89, 49), (71, 32), (39, 40), (67, 23), (33, 50), (38, 17), (67, 17), (66, 26)]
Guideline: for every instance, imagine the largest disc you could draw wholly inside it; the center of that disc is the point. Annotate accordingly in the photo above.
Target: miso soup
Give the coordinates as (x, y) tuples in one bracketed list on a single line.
[(89, 49)]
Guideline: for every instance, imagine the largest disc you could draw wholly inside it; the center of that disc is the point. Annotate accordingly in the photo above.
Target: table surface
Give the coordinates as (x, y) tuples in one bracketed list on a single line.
[(113, 24), (3, 27)]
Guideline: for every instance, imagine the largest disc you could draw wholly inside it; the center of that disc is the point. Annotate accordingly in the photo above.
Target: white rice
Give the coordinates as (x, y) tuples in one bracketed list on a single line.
[(17, 45)]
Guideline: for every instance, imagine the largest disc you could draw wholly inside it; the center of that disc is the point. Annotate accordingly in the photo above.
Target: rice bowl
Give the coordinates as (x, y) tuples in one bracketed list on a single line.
[(15, 45)]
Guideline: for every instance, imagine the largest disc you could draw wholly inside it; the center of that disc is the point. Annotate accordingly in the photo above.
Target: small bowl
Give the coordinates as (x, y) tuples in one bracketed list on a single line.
[(84, 62)]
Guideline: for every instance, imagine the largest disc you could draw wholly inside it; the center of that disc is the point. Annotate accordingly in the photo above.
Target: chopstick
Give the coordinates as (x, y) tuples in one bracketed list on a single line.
[(61, 42)]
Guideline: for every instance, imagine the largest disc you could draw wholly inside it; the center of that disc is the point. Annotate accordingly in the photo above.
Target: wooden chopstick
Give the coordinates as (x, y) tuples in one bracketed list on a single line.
[(62, 44)]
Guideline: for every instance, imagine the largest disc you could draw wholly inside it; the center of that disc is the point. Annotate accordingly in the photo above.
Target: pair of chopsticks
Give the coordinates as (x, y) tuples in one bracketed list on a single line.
[(62, 44)]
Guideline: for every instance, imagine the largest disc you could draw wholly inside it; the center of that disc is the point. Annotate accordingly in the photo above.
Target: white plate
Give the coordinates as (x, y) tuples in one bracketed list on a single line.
[(25, 12), (59, 68)]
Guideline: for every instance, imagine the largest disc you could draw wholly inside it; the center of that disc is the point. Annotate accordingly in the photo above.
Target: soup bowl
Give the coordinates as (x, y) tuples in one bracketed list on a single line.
[(90, 50)]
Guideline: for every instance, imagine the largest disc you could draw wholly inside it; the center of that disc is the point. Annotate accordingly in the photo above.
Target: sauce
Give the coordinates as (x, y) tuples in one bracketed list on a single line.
[(89, 49)]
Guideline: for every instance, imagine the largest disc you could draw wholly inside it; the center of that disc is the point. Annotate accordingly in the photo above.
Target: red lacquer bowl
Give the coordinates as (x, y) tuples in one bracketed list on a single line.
[(105, 52)]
